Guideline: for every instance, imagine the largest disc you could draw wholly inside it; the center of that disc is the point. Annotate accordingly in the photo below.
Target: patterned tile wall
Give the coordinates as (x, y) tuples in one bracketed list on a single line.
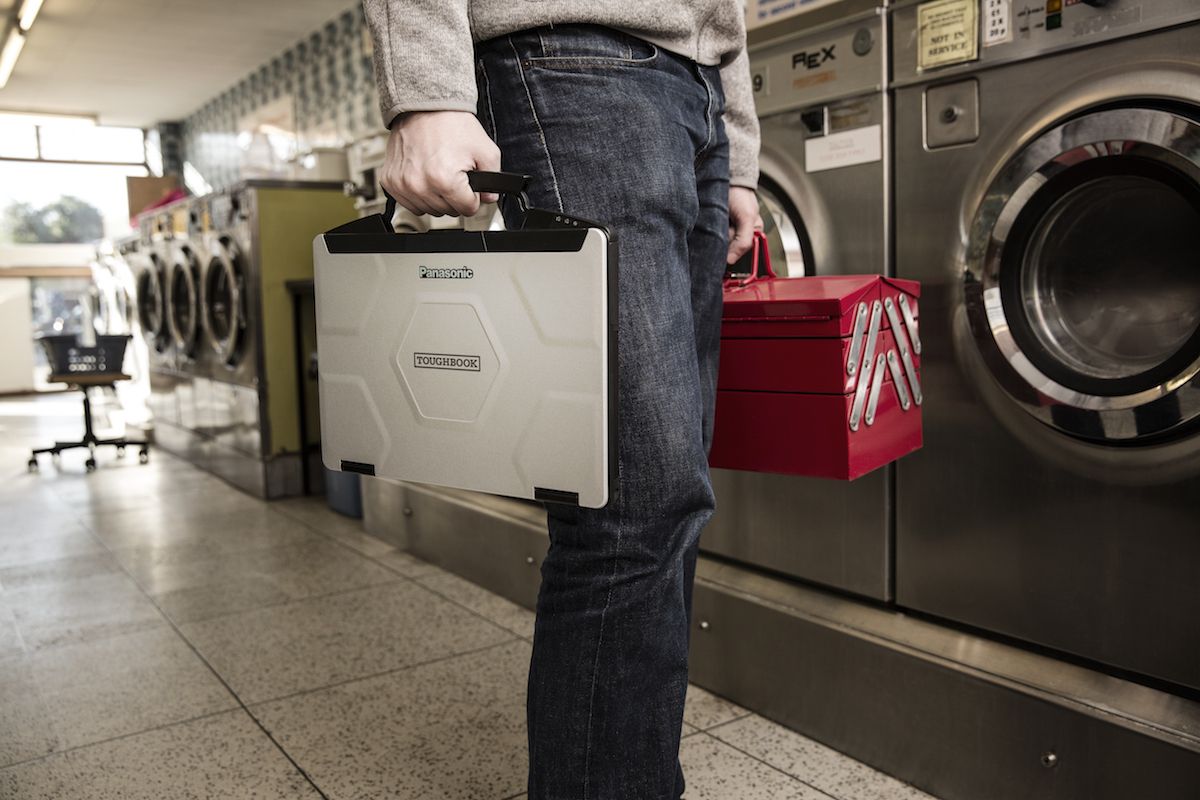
[(327, 79)]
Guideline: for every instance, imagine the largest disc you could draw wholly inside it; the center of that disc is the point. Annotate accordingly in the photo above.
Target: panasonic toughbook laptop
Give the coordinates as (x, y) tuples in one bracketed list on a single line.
[(481, 360)]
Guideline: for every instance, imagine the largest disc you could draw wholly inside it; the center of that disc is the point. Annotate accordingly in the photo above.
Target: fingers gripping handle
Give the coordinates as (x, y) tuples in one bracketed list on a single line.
[(510, 183)]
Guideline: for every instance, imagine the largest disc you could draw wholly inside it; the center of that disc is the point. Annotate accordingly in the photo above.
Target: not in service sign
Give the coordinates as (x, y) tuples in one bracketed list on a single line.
[(949, 33)]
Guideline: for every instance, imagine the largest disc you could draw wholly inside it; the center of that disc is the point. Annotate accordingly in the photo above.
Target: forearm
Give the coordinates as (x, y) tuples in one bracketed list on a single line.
[(741, 122), (423, 55)]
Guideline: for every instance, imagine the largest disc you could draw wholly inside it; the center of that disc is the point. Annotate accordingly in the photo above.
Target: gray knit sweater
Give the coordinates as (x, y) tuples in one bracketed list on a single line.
[(423, 51)]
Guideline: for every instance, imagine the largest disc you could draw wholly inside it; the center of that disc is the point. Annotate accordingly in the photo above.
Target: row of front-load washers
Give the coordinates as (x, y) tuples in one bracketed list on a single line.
[(194, 288), (1037, 168)]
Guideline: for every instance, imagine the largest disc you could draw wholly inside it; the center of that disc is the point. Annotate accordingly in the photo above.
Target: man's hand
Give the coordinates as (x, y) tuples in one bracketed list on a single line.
[(428, 156), (744, 220)]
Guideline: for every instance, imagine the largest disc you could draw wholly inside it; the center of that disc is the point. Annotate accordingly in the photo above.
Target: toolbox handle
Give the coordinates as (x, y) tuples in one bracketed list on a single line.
[(759, 262), (510, 183)]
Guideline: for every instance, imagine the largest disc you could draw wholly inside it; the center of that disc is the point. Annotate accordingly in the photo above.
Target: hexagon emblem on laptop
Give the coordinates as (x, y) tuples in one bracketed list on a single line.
[(446, 362)]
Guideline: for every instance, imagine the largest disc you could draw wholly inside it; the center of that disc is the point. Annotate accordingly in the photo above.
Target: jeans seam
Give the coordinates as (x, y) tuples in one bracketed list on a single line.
[(710, 132), (612, 577), (487, 94), (537, 123)]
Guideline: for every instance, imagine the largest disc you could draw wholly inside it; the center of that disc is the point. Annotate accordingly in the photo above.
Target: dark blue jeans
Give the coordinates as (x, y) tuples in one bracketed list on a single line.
[(616, 130)]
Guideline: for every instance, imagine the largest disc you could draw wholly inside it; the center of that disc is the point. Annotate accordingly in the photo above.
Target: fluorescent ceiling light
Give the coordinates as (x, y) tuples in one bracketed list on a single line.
[(9, 55), (29, 12), (45, 120)]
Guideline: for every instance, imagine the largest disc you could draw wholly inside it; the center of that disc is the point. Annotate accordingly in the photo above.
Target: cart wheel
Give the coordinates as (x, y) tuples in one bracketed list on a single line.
[(120, 452), (90, 464), (144, 457), (33, 465)]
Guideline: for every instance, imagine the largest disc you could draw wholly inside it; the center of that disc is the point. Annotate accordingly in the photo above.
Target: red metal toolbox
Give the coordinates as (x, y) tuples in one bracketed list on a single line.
[(819, 376)]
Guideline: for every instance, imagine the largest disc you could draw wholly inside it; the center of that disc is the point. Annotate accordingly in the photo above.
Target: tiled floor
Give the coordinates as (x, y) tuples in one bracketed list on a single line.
[(164, 636)]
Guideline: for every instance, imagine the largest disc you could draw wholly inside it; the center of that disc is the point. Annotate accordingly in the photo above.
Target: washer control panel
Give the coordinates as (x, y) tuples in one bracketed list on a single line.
[(803, 71), (937, 37)]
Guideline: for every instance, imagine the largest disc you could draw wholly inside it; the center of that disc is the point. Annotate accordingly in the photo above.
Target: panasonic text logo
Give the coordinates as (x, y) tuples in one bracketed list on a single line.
[(447, 273), (449, 361)]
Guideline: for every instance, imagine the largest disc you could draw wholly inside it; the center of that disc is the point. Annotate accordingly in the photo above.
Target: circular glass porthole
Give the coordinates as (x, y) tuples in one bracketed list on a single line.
[(1084, 276), (150, 303), (183, 301), (224, 315)]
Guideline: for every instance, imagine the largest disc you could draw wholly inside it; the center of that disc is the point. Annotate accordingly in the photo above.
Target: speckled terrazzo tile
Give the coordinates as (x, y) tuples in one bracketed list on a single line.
[(705, 709), (124, 684), (25, 518), (56, 539), (25, 729), (316, 514), (452, 729), (165, 526), (82, 610), (689, 730), (190, 492), (406, 564), (276, 651), (241, 581), (715, 771), (59, 570), (503, 612), (11, 643), (225, 757), (813, 762)]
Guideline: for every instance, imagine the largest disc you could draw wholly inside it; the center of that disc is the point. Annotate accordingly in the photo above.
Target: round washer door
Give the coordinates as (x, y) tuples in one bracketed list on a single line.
[(224, 314), (150, 309), (787, 240), (183, 301), (1083, 276)]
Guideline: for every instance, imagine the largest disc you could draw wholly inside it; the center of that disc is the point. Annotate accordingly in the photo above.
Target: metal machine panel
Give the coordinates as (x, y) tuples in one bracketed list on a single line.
[(829, 532), (443, 527), (1023, 516), (836, 534), (1034, 30), (956, 715), (803, 71)]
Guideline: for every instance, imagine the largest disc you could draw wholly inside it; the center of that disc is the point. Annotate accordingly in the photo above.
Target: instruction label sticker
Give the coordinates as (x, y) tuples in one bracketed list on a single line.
[(859, 146), (948, 32), (997, 22)]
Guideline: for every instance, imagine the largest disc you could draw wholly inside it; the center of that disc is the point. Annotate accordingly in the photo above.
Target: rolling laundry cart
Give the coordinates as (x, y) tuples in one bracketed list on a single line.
[(86, 368)]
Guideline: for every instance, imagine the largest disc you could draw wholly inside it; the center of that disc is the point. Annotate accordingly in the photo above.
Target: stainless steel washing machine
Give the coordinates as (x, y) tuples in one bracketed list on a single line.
[(149, 258), (819, 82), (185, 278), (1048, 197), (231, 319), (254, 238)]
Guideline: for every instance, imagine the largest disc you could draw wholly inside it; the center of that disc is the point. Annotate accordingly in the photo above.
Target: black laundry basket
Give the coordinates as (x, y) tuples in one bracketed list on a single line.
[(85, 368), (67, 356)]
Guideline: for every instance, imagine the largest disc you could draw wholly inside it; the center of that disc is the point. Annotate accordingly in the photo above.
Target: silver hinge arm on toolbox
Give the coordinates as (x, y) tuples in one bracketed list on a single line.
[(910, 322), (856, 339), (876, 387), (864, 378), (906, 358), (898, 380)]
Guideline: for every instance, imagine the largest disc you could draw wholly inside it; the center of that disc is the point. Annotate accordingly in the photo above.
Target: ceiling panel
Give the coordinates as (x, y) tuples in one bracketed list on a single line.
[(136, 63)]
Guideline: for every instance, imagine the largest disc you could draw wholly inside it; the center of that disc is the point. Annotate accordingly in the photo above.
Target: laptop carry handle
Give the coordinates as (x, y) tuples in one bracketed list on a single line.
[(498, 182), (512, 184)]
